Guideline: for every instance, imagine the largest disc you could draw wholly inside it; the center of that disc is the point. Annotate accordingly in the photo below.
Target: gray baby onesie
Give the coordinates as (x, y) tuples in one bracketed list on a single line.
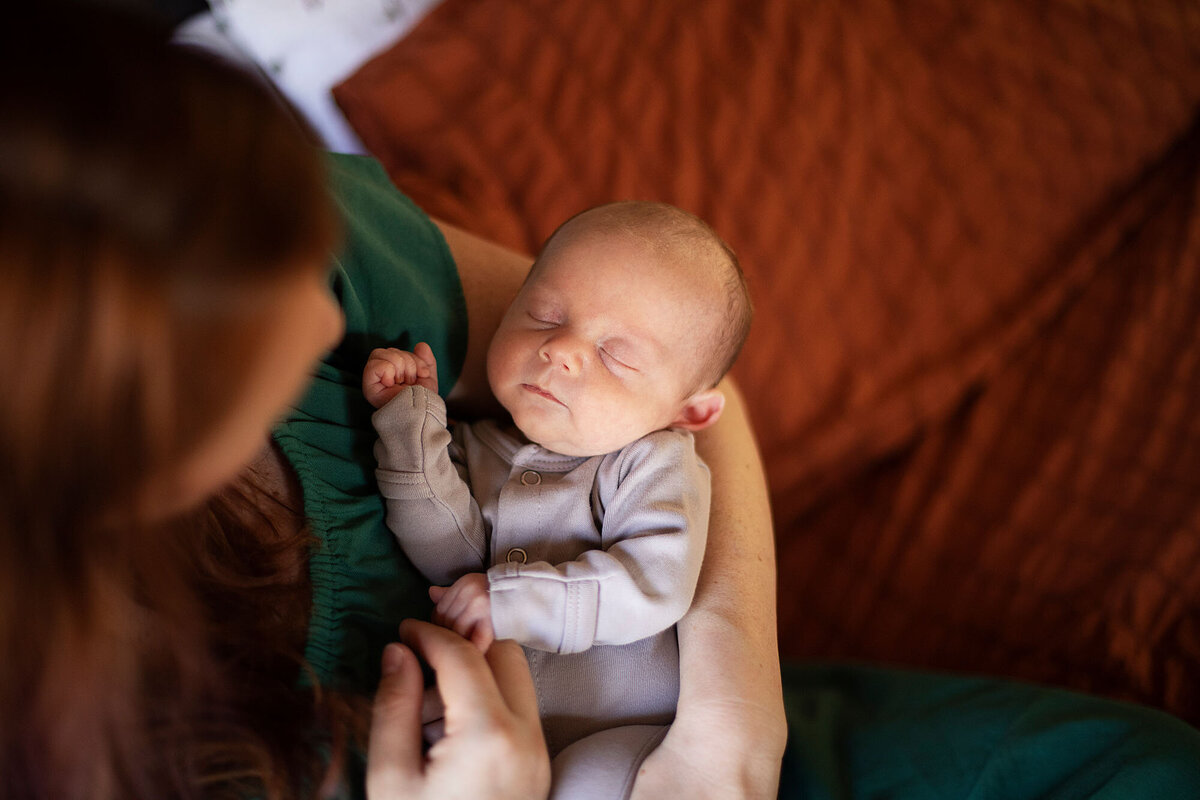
[(590, 563)]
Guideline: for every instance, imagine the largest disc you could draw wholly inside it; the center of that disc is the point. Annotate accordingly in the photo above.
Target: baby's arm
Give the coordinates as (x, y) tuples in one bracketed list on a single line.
[(655, 499), (429, 504), (389, 370)]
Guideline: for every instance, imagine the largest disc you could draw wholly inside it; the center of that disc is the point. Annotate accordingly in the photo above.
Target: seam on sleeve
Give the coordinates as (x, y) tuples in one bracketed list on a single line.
[(429, 414), (563, 579), (574, 624), (404, 481)]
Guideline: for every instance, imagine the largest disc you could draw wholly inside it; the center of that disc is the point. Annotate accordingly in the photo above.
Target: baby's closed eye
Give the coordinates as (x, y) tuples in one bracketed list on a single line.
[(543, 320), (616, 357)]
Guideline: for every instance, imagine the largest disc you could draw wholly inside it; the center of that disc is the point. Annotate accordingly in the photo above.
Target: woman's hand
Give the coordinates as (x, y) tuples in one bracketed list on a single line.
[(493, 748)]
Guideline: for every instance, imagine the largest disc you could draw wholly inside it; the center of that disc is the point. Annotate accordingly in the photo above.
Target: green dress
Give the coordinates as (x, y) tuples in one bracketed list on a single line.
[(853, 731)]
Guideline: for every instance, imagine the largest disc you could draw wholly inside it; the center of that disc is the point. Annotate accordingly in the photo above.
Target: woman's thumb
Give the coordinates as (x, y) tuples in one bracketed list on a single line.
[(394, 760)]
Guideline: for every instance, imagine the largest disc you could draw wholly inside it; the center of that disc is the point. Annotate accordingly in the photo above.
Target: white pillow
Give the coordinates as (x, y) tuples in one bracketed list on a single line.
[(305, 47)]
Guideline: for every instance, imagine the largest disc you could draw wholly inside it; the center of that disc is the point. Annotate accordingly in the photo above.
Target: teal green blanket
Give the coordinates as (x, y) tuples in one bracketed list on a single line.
[(860, 732)]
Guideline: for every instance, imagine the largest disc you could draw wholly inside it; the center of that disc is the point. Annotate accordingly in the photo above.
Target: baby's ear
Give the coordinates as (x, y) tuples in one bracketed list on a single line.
[(700, 410)]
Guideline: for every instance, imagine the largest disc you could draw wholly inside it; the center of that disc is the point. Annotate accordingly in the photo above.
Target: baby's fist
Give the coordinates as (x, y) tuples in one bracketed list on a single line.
[(465, 608), (389, 370)]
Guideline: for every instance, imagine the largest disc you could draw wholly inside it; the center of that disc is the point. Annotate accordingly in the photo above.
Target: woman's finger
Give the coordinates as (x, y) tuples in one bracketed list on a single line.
[(394, 760), (464, 678), (511, 670), (481, 636)]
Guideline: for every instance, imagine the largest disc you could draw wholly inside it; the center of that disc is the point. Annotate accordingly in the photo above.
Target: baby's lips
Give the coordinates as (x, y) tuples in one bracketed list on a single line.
[(539, 391)]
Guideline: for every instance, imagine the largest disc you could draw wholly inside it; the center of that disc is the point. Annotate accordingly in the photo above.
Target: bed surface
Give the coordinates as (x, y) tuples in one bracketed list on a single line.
[(971, 237)]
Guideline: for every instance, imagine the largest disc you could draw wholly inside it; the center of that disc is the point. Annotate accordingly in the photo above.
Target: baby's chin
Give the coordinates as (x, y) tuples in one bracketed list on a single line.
[(577, 446), (565, 447), (568, 442)]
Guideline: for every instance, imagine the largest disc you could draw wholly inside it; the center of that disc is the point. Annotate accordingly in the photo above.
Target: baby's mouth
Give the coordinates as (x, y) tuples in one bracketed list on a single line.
[(540, 392)]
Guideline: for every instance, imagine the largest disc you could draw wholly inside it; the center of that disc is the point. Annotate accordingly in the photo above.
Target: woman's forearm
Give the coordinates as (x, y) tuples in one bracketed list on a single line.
[(491, 276), (730, 722)]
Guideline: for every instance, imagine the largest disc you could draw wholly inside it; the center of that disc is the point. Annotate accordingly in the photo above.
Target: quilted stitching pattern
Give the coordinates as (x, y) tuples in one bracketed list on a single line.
[(971, 237)]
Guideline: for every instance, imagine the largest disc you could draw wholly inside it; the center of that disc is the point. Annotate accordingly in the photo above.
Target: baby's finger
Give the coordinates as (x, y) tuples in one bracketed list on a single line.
[(393, 355), (381, 354), (441, 611), (464, 625), (456, 601), (381, 371), (425, 353), (438, 618)]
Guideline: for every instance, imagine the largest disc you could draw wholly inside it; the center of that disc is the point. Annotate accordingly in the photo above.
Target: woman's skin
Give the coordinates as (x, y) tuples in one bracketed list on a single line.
[(305, 322), (729, 732), (491, 722)]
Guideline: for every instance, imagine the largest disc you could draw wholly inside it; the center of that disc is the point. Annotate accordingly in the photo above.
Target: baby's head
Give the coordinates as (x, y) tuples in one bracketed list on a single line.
[(628, 319)]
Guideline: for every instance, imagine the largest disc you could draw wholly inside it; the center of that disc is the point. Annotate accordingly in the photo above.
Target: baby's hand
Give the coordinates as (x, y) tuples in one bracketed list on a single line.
[(389, 370), (466, 609)]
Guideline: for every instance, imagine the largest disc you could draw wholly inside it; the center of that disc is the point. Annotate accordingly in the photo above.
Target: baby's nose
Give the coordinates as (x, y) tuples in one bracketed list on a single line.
[(564, 352)]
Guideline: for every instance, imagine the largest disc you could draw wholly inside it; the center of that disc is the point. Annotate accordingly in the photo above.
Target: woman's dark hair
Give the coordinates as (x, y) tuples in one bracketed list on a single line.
[(144, 190)]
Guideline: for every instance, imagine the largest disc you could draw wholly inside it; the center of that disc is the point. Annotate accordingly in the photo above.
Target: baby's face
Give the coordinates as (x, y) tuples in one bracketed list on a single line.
[(602, 345)]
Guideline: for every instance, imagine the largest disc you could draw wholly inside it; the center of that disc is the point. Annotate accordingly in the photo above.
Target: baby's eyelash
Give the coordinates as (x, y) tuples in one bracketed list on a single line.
[(610, 357)]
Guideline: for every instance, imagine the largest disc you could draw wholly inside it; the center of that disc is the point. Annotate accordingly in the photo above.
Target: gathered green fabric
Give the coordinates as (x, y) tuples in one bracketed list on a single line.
[(397, 285)]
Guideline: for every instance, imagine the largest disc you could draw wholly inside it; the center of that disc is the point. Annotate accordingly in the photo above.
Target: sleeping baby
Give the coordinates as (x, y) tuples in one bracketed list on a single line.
[(577, 526)]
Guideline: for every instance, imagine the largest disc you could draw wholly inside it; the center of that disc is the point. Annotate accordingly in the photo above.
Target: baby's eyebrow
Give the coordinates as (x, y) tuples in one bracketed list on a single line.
[(636, 343), (542, 295), (541, 300)]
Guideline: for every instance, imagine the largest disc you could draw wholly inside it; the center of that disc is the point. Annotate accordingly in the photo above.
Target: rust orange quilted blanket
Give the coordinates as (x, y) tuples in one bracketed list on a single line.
[(972, 237)]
